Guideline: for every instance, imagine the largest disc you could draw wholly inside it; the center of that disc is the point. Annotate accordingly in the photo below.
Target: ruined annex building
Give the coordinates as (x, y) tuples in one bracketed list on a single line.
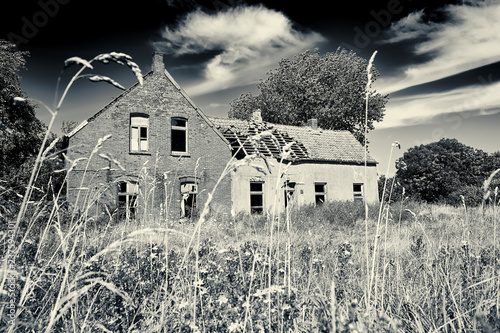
[(163, 156)]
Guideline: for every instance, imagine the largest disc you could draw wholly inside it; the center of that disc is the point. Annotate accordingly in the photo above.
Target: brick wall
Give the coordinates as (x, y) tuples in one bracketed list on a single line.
[(160, 98)]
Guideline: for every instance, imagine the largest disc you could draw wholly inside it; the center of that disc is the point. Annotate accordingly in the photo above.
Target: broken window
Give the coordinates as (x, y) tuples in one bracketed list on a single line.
[(320, 193), (179, 136), (256, 197), (289, 192), (189, 192), (357, 189), (127, 199), (139, 133)]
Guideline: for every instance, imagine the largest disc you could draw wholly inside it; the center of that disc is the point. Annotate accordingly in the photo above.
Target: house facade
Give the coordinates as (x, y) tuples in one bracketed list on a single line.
[(152, 152), (294, 166)]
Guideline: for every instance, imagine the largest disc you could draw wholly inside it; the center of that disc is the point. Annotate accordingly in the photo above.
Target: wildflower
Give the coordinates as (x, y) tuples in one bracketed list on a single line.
[(194, 327), (182, 305), (222, 299), (234, 327)]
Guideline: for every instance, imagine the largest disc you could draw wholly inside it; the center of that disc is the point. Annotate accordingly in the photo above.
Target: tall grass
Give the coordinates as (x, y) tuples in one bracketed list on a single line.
[(146, 275), (84, 272)]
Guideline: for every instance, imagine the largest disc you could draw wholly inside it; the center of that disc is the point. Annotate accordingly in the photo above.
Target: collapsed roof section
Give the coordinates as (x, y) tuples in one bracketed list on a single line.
[(245, 140), (302, 143)]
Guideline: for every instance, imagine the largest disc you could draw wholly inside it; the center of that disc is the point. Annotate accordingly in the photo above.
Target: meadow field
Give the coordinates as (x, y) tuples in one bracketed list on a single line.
[(340, 267), (415, 267)]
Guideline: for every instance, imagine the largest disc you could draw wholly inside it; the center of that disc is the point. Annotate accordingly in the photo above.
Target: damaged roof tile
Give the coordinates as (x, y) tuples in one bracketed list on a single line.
[(308, 143)]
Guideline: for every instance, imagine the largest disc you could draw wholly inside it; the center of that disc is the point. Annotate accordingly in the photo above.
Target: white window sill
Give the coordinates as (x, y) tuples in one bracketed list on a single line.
[(139, 153), (179, 153)]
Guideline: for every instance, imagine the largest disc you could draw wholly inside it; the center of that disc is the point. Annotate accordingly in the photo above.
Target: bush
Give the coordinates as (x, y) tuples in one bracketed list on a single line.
[(335, 213), (342, 213)]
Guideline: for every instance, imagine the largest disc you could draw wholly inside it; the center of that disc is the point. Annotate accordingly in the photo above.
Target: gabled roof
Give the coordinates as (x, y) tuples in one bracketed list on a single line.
[(309, 144), (145, 77), (85, 122)]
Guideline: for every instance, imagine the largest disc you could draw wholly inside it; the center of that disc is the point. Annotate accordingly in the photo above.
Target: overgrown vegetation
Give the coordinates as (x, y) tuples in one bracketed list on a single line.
[(436, 269), (343, 266), (443, 172), (20, 131)]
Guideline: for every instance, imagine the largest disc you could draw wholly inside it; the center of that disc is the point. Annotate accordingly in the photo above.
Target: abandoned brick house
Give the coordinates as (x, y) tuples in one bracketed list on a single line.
[(163, 155)]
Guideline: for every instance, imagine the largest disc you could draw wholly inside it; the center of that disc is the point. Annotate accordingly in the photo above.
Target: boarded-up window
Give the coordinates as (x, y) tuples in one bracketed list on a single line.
[(139, 133), (320, 193), (256, 197), (179, 136), (127, 199), (357, 189)]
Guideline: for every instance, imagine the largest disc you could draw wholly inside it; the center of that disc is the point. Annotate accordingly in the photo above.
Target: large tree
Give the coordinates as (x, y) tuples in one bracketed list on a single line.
[(446, 171), (20, 131), (330, 88)]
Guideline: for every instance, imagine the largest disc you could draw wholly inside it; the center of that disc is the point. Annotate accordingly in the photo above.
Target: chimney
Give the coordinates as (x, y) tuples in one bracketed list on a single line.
[(257, 116), (158, 66), (313, 123)]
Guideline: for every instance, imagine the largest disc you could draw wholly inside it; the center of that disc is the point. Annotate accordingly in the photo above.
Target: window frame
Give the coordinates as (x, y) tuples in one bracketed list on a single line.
[(257, 209), (179, 129), (358, 195), (193, 193), (139, 122), (131, 194), (318, 194)]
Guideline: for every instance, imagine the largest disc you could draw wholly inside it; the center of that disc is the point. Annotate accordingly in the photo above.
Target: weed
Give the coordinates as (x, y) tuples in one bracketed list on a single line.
[(427, 268)]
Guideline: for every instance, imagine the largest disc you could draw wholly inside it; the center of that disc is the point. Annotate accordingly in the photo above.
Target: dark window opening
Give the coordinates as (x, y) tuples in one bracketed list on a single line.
[(289, 192), (127, 200), (320, 199), (319, 187), (179, 122), (256, 198), (255, 187), (358, 192), (179, 135), (320, 193)]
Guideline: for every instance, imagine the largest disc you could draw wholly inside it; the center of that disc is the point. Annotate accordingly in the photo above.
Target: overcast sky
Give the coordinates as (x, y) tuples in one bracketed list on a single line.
[(438, 60)]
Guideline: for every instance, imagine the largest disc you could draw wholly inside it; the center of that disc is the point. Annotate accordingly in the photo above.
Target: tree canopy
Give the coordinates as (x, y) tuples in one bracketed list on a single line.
[(20, 131), (444, 171), (330, 88)]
